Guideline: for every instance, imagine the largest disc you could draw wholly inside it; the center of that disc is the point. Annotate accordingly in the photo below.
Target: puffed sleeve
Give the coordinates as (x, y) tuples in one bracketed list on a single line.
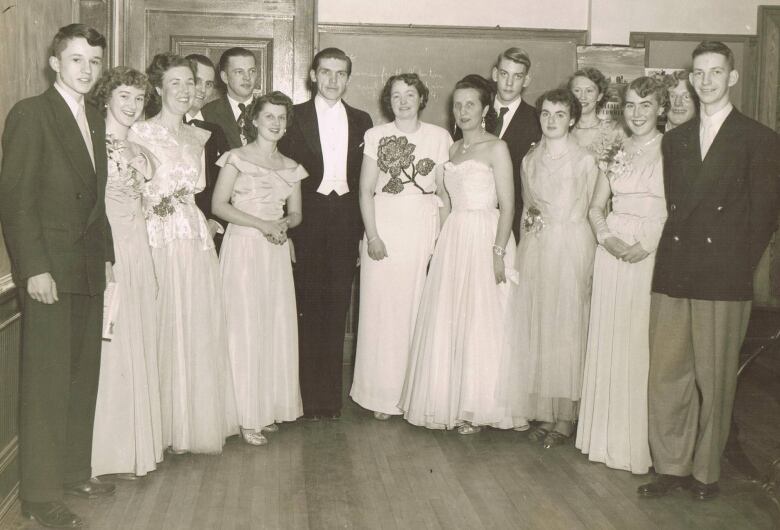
[(371, 143)]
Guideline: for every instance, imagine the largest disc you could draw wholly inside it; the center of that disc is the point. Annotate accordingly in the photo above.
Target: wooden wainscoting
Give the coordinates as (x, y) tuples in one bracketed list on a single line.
[(10, 348)]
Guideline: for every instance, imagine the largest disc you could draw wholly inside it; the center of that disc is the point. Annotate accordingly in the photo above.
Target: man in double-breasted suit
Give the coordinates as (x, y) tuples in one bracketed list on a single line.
[(518, 122), (720, 178), (216, 145), (238, 72), (326, 137), (52, 208)]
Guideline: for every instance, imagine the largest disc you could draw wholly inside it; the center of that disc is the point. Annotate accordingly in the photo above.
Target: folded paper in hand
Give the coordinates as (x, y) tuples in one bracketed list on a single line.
[(110, 310)]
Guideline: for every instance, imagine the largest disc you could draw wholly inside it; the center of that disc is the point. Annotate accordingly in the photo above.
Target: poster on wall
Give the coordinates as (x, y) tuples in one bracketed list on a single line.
[(620, 65)]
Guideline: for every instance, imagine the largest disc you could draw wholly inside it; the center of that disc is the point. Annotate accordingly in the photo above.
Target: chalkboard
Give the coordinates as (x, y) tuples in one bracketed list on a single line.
[(442, 55)]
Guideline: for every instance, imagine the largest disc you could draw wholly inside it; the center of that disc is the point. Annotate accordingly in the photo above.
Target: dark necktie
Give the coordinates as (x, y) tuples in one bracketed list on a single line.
[(500, 122), (241, 121)]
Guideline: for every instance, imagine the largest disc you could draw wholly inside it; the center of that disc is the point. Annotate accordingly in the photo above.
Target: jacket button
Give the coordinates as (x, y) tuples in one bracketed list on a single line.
[(709, 240), (673, 207), (676, 238), (720, 208), (78, 196)]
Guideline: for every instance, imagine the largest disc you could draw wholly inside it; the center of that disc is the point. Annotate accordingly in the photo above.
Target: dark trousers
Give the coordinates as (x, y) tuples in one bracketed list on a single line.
[(326, 252), (59, 380)]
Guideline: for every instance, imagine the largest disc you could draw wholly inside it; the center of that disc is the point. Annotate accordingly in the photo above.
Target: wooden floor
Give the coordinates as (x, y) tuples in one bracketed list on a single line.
[(360, 473)]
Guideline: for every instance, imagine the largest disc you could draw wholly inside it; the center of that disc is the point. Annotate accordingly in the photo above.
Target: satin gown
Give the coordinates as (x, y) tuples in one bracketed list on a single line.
[(127, 435), (259, 294)]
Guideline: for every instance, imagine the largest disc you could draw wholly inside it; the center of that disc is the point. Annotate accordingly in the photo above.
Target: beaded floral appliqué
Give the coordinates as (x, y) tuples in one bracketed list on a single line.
[(395, 156)]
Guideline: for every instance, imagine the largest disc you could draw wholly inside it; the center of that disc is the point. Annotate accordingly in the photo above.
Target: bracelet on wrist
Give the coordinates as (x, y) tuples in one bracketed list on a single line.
[(499, 251)]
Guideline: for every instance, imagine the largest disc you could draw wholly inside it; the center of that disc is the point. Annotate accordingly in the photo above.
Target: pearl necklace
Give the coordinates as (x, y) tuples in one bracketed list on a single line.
[(588, 127), (464, 147), (555, 157), (641, 148)]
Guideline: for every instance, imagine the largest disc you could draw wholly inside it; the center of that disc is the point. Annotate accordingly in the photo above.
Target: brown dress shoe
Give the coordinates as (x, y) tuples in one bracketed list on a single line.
[(702, 491), (51, 514), (90, 489), (662, 485)]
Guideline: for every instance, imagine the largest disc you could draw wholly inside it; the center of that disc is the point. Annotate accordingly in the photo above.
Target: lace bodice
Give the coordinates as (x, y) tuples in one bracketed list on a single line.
[(169, 196)]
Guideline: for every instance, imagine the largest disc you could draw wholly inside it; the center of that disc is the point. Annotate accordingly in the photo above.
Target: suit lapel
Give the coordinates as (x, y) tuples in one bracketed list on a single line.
[(229, 119), (700, 175), (310, 126), (354, 136), (70, 135)]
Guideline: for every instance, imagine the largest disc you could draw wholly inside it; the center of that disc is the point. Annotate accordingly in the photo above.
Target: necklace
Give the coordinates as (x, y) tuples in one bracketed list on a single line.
[(641, 148), (586, 127), (555, 157), (464, 147)]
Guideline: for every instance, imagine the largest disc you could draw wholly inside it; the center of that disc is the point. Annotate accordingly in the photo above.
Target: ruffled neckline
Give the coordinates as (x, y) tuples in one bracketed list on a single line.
[(290, 175), (154, 132)]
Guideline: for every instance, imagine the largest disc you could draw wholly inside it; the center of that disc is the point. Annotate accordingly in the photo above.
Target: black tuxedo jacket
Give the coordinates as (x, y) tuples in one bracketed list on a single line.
[(523, 131), (219, 112), (52, 201), (302, 144), (722, 210), (216, 145)]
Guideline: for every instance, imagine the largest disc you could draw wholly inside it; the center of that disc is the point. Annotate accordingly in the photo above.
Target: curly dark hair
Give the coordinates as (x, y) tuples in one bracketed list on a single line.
[(118, 76), (645, 85), (486, 95), (564, 96), (272, 98), (161, 63), (598, 79), (410, 79)]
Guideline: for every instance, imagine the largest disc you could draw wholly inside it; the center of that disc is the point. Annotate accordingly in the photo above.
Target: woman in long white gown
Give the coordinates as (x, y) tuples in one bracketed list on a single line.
[(458, 344), (399, 180), (256, 184), (196, 387), (127, 436), (612, 424)]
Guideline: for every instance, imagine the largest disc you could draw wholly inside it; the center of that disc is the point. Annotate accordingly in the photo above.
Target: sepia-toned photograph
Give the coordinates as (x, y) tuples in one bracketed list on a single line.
[(338, 264)]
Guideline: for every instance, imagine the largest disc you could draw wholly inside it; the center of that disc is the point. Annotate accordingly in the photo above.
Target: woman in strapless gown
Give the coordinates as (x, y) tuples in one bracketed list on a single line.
[(457, 348)]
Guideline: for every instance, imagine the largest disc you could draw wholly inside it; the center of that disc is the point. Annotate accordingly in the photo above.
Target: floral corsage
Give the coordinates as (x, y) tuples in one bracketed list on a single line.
[(533, 220)]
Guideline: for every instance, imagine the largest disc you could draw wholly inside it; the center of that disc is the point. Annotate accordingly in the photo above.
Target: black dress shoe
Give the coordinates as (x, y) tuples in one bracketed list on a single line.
[(702, 491), (311, 417), (662, 485), (51, 514), (90, 489)]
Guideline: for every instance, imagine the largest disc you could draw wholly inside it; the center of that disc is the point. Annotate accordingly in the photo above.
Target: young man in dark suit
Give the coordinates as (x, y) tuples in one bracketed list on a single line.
[(326, 137), (720, 178), (52, 209), (238, 72), (518, 123), (215, 146)]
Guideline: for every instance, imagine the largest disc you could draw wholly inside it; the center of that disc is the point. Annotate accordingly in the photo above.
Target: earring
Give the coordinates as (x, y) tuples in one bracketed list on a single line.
[(454, 129), (483, 122)]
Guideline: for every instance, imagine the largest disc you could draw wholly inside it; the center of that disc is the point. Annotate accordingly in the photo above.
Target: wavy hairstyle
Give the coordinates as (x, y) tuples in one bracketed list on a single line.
[(598, 79), (645, 85), (411, 79), (272, 98), (161, 63), (118, 76)]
